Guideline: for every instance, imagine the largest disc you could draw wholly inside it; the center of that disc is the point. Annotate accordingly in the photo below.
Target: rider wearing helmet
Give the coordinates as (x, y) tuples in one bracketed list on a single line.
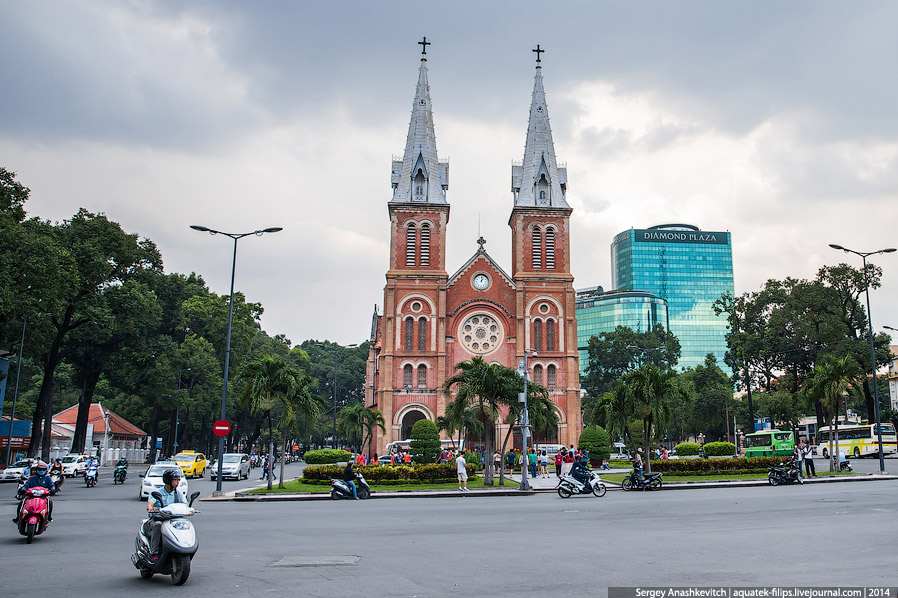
[(40, 478), (170, 494), (580, 471)]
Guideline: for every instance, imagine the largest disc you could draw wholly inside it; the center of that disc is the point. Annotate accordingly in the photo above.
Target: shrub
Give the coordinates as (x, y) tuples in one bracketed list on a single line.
[(425, 442), (720, 449), (685, 449), (326, 456), (428, 473), (716, 466), (472, 458), (595, 440)]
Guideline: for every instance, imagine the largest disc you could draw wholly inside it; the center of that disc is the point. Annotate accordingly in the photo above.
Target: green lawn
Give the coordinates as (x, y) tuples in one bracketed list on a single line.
[(669, 477), (300, 486)]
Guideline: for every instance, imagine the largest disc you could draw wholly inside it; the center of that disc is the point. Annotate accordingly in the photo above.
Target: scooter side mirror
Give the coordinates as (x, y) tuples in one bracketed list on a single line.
[(193, 497), (157, 495)]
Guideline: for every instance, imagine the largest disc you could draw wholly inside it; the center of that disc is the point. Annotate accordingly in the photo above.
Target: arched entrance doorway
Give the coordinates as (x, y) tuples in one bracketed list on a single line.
[(408, 420)]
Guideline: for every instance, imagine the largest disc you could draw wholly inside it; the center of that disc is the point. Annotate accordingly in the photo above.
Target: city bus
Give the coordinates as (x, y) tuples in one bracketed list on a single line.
[(858, 440), (402, 446), (769, 442)]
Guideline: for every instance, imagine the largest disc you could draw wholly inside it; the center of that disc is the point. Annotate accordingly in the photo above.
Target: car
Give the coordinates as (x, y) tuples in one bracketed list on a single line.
[(16, 470), (233, 465), (74, 465), (192, 462), (384, 460), (152, 479)]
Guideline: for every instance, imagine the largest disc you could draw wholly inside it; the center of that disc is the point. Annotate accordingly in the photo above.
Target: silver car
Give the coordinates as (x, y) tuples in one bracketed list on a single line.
[(15, 471), (233, 465), (152, 479)]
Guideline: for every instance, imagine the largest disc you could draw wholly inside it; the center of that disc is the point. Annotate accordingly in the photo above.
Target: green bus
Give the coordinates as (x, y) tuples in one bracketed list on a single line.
[(769, 442)]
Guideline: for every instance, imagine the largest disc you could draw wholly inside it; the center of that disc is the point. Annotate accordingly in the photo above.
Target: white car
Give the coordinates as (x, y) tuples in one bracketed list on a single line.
[(152, 479), (15, 471), (234, 465), (74, 465)]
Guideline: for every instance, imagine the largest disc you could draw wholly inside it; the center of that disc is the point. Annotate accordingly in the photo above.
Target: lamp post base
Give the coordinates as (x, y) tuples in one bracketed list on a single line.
[(217, 493)]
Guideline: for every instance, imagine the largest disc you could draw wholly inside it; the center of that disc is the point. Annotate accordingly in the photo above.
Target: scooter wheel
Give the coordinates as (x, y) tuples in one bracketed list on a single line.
[(627, 484), (564, 492), (599, 490), (180, 569), (774, 481), (363, 494), (334, 495), (146, 572), (32, 527), (655, 485)]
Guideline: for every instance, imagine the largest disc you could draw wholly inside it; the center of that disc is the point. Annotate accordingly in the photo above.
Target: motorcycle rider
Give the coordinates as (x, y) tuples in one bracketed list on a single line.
[(40, 478), (56, 469), (349, 478), (123, 463), (637, 465), (580, 472), (170, 494)]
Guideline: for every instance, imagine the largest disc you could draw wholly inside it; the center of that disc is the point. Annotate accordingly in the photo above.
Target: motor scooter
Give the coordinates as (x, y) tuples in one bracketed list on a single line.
[(845, 465), (340, 489), (32, 519), (785, 473), (90, 476), (648, 481), (569, 485), (20, 489), (120, 475), (177, 544)]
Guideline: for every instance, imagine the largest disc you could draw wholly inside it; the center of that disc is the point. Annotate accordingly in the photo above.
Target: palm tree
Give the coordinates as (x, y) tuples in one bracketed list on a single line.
[(653, 392), (620, 410), (297, 404), (351, 422), (830, 381), (372, 419), (460, 417), (269, 380), (486, 387)]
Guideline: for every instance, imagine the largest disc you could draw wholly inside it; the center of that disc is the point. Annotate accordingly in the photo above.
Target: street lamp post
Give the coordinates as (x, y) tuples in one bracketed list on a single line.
[(224, 395), (15, 395), (334, 349), (178, 410), (882, 464), (524, 373)]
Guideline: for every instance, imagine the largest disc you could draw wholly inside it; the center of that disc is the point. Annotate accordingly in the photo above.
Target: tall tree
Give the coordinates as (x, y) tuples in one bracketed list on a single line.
[(713, 397), (654, 391), (830, 381)]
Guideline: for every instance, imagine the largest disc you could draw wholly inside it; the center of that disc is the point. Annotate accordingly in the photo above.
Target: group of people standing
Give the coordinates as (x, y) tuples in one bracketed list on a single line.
[(804, 452)]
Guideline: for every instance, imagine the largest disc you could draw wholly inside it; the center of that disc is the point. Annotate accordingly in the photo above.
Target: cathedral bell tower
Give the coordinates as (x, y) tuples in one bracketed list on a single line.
[(540, 230)]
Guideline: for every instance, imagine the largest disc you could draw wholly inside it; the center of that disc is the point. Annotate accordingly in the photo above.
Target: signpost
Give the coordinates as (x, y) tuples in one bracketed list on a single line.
[(222, 427)]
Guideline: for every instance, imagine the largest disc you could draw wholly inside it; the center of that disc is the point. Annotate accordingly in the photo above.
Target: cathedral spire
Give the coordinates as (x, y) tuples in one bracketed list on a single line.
[(420, 176), (538, 180)]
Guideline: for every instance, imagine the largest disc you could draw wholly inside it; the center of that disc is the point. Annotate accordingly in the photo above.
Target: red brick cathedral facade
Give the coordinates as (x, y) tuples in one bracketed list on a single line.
[(432, 321)]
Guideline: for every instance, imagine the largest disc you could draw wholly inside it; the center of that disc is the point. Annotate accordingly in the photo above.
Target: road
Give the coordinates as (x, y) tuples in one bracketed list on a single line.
[(811, 535)]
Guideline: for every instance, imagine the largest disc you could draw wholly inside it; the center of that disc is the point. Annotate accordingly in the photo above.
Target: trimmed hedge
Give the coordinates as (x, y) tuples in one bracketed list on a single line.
[(425, 442), (393, 482), (687, 449), (720, 449), (716, 466), (429, 473), (326, 456), (595, 440)]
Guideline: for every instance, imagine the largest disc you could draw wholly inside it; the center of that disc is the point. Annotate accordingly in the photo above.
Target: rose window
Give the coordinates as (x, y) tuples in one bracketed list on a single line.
[(480, 334)]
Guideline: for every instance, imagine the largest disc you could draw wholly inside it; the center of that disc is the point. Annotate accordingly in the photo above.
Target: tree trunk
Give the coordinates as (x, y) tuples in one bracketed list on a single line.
[(270, 449), (84, 402), (868, 399), (154, 430), (502, 460), (43, 411), (834, 454), (751, 407), (283, 453), (254, 436), (646, 438), (488, 452)]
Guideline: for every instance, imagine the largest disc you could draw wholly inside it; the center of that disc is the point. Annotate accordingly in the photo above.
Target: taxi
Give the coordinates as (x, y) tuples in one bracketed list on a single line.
[(192, 463)]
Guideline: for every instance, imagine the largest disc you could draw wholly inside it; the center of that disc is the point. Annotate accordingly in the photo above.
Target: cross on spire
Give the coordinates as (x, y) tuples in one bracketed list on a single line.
[(424, 43), (481, 241), (538, 52)]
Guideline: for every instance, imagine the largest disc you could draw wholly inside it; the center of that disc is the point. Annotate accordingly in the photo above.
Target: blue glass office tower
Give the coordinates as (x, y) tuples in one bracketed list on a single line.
[(599, 312), (690, 269)]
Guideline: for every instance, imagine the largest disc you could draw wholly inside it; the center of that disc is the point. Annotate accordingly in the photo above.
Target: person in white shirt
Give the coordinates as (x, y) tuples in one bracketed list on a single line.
[(460, 464), (809, 468)]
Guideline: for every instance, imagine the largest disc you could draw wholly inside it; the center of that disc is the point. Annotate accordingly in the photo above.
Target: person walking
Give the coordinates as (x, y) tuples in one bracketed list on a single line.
[(497, 461), (809, 468), (462, 471), (509, 460)]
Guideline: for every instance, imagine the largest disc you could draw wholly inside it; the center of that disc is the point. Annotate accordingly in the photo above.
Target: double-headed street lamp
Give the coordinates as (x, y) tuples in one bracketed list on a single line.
[(336, 353), (224, 394), (882, 464), (524, 373), (178, 409)]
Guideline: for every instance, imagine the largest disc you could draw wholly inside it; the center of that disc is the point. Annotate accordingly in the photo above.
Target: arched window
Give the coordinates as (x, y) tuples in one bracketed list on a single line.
[(537, 239), (410, 243), (409, 333), (422, 376), (538, 374), (550, 249), (422, 334), (538, 335), (550, 376), (550, 335), (425, 245), (407, 376), (542, 188)]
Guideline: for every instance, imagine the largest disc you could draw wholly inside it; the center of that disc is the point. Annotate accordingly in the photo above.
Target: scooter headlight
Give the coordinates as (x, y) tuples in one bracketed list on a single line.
[(181, 525)]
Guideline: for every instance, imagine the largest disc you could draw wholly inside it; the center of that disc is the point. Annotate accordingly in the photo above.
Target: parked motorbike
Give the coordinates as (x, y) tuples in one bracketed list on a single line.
[(177, 544), (90, 476), (35, 510), (648, 481), (845, 465), (569, 485), (121, 473), (340, 489), (785, 473)]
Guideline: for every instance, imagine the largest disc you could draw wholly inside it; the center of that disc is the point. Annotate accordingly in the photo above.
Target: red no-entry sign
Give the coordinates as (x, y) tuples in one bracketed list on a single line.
[(222, 427)]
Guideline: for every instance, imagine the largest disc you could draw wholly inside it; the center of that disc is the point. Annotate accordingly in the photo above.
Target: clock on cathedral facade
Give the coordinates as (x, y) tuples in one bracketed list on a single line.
[(430, 321)]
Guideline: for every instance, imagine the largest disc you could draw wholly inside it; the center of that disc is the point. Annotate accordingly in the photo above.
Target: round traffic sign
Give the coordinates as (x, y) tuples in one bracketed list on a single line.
[(222, 427)]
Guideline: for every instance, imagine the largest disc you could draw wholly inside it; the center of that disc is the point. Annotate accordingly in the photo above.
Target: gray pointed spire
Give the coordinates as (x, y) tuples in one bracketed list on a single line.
[(538, 180), (420, 177)]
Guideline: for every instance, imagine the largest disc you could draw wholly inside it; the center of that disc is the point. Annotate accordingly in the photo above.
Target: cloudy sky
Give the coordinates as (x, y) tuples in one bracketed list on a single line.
[(777, 121)]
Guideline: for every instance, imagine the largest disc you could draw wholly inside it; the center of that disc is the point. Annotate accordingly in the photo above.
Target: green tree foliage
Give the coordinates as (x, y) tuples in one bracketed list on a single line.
[(653, 391), (830, 383), (712, 394), (425, 442), (595, 440), (357, 423)]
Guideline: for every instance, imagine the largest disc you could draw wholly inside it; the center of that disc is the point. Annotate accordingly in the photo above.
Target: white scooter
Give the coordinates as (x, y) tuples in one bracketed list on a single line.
[(90, 476), (177, 543)]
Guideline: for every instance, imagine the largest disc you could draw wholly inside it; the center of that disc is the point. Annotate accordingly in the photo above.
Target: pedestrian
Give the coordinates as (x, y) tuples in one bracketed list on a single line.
[(532, 459), (544, 464), (809, 468), (701, 451), (407, 458), (497, 461), (558, 461), (509, 460), (462, 471), (568, 462)]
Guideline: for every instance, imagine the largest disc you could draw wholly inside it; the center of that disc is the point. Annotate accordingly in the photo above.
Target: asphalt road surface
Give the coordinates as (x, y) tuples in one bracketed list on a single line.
[(812, 535)]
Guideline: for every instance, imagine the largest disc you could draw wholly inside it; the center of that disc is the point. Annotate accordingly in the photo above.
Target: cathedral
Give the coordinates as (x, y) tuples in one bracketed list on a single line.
[(431, 321)]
